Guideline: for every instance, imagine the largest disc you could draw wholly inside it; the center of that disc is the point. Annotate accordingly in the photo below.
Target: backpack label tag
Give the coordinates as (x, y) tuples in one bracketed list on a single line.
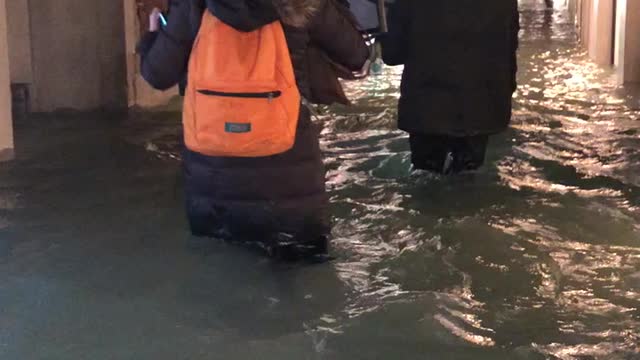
[(237, 128)]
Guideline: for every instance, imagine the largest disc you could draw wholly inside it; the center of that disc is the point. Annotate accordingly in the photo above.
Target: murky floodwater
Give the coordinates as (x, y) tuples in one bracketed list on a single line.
[(536, 256)]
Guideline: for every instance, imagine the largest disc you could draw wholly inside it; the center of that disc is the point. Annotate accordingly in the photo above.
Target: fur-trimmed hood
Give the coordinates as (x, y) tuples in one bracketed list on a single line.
[(249, 15), (296, 12)]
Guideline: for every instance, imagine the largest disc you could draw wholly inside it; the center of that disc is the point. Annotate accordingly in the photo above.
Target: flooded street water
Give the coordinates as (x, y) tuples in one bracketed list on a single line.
[(536, 256)]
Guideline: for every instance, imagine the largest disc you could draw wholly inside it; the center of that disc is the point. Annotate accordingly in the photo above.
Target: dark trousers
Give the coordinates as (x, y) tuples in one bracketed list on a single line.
[(447, 154)]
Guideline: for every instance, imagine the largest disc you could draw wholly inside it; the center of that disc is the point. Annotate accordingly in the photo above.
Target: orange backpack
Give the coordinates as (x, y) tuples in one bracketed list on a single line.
[(242, 99)]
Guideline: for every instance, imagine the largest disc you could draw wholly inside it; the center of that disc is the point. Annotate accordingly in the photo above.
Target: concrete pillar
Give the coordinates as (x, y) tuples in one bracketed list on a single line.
[(6, 126), (131, 37), (627, 55), (601, 33), (585, 14)]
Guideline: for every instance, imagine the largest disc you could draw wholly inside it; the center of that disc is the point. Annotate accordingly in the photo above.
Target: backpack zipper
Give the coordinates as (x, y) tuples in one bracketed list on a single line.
[(269, 95)]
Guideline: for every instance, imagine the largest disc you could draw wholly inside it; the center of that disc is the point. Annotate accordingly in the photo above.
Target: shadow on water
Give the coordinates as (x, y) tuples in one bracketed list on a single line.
[(536, 256)]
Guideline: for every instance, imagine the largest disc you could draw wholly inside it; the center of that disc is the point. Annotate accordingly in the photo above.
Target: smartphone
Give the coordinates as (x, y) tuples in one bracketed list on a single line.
[(163, 19)]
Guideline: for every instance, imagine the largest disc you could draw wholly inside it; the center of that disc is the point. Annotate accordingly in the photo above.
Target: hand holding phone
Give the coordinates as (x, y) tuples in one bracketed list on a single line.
[(156, 19), (145, 7)]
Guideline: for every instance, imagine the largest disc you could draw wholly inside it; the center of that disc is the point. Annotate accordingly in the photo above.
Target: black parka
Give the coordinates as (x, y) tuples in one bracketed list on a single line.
[(460, 64)]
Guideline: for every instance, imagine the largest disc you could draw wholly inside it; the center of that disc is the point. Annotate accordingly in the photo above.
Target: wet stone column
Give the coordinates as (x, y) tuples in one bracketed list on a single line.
[(6, 128), (628, 41), (601, 35)]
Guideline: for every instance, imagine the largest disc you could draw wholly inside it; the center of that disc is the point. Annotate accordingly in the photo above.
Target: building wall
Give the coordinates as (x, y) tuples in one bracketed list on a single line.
[(19, 41), (6, 131), (78, 54)]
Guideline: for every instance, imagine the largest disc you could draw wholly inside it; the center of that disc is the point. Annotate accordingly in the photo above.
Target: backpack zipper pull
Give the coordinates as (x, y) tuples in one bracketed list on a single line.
[(270, 97)]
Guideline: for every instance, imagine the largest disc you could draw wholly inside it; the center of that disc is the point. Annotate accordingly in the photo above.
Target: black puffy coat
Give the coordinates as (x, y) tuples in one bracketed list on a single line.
[(460, 64), (249, 197)]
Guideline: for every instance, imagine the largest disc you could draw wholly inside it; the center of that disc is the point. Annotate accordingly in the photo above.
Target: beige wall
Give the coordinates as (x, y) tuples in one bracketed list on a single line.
[(78, 54), (140, 93), (6, 131), (19, 41)]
